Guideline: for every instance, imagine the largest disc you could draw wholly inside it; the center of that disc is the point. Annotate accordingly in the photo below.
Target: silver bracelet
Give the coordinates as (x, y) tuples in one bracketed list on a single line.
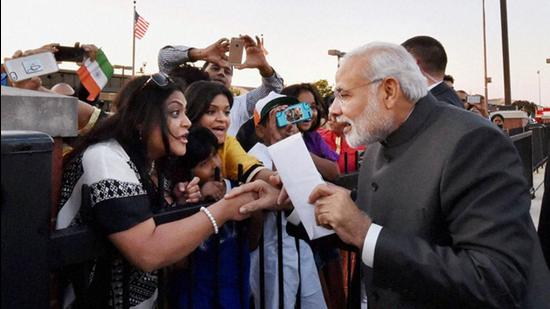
[(211, 218)]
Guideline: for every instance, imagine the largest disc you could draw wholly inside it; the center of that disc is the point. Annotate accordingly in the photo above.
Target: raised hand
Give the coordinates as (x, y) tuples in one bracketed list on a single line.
[(90, 50), (34, 83), (214, 53), (255, 56), (188, 192)]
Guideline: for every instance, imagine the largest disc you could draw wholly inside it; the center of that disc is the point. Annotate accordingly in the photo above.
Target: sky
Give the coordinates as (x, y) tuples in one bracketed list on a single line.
[(299, 33)]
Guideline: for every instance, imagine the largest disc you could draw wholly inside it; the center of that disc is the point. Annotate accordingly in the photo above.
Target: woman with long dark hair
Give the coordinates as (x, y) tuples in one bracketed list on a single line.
[(122, 161)]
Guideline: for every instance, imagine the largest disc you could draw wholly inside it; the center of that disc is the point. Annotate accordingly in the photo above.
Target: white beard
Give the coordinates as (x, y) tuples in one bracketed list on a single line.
[(371, 126)]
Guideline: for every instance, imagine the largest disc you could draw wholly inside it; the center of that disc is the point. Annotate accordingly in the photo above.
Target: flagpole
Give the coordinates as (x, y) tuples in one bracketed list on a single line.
[(134, 42)]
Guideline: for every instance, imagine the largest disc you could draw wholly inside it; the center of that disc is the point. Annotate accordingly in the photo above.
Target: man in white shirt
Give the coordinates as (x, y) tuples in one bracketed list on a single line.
[(220, 71)]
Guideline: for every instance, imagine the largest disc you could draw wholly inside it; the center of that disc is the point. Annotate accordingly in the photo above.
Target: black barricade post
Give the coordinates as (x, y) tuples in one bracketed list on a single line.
[(345, 163), (522, 142), (26, 200), (540, 142)]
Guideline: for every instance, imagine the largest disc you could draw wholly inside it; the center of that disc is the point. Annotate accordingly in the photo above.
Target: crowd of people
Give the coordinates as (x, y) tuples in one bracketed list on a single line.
[(439, 218)]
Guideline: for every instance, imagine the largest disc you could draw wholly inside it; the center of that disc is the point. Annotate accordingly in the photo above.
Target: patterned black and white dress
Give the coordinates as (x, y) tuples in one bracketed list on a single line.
[(118, 202)]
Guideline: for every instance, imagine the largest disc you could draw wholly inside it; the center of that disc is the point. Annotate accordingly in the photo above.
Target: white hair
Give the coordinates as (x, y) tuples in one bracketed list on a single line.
[(387, 59)]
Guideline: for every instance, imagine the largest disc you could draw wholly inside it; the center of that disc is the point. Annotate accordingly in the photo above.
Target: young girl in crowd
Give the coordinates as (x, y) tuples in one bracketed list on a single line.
[(323, 157), (121, 161), (202, 161), (209, 106), (217, 274)]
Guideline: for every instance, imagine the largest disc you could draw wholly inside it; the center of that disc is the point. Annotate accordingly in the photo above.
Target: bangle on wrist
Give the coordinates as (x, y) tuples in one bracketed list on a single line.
[(211, 218)]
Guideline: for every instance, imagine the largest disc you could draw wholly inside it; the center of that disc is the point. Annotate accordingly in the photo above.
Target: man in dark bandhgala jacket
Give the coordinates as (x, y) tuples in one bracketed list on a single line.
[(544, 219), (441, 218)]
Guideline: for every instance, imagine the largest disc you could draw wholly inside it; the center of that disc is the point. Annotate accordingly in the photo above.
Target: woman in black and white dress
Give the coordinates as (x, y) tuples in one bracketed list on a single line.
[(121, 160)]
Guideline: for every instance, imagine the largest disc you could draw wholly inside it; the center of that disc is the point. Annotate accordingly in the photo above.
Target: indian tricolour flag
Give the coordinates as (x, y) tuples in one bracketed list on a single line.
[(94, 75)]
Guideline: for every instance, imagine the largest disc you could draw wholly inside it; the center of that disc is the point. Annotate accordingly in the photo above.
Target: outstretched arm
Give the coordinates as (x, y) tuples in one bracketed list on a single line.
[(173, 55)]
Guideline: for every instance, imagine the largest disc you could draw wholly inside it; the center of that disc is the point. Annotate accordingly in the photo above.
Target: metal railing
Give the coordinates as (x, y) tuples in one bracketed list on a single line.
[(540, 144), (523, 143), (533, 146), (79, 244)]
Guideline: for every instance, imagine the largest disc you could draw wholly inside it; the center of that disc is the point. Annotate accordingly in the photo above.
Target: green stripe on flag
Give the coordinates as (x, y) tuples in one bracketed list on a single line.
[(104, 64)]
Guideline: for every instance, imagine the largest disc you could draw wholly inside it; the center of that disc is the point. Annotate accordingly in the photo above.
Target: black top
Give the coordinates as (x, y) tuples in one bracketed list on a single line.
[(446, 94)]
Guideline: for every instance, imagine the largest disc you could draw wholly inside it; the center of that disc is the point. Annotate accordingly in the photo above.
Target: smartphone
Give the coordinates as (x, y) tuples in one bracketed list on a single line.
[(293, 114), (72, 54), (236, 47), (23, 68), (473, 99)]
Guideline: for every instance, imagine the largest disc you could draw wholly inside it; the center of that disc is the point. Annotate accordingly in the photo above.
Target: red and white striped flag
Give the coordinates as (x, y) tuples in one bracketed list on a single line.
[(140, 25)]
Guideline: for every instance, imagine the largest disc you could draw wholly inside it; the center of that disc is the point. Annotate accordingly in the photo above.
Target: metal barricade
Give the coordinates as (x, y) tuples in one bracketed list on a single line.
[(540, 143), (523, 144), (47, 252), (26, 196)]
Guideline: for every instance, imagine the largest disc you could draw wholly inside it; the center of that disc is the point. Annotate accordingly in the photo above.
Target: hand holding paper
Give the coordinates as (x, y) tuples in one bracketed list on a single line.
[(299, 176), (335, 209)]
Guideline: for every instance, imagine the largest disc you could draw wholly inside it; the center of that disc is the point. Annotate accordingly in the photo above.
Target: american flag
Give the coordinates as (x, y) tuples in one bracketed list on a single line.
[(140, 26)]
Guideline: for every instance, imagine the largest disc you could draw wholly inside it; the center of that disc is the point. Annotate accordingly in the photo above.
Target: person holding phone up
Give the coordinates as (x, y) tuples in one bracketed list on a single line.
[(220, 70), (477, 104), (87, 114)]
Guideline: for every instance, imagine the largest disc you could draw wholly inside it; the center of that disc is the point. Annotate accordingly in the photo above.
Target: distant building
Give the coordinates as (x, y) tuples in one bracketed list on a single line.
[(70, 77), (496, 102)]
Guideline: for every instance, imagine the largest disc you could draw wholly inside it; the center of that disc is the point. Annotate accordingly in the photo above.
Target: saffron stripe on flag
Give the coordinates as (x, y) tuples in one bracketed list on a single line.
[(94, 75), (88, 82)]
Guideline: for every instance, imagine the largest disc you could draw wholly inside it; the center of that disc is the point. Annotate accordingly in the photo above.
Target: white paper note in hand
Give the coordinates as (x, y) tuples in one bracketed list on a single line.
[(299, 176)]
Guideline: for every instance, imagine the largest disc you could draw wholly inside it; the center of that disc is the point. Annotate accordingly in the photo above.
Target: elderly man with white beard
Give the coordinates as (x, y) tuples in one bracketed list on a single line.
[(441, 217)]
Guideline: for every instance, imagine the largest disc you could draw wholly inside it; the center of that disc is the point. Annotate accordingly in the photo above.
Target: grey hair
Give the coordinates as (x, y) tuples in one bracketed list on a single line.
[(386, 59)]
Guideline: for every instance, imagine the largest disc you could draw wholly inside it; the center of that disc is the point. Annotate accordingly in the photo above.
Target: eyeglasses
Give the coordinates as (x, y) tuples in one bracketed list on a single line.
[(160, 79), (338, 91)]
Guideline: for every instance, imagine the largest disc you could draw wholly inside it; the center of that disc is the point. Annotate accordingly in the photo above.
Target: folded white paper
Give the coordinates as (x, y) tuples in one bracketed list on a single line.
[(299, 176)]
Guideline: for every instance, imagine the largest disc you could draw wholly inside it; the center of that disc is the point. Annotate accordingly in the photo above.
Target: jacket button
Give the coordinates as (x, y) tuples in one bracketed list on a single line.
[(374, 186), (387, 159)]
